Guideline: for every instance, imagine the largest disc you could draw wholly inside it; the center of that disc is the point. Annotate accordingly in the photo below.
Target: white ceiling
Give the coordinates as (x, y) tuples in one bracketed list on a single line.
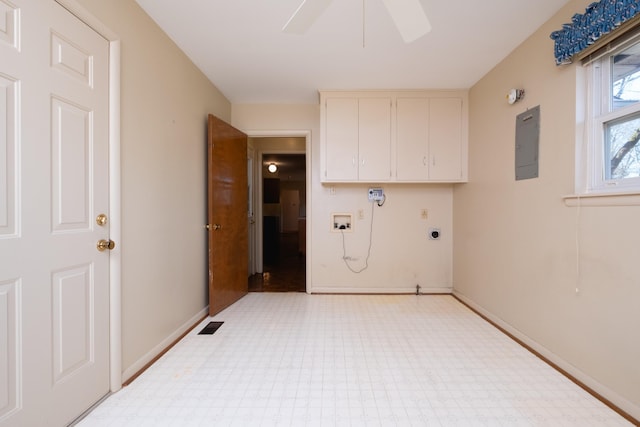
[(239, 45)]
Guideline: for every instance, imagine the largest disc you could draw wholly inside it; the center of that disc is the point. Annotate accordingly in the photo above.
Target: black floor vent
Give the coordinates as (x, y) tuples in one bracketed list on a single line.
[(210, 328)]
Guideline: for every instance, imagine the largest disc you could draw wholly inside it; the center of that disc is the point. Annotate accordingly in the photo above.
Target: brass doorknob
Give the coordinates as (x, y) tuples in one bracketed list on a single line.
[(105, 244), (101, 220)]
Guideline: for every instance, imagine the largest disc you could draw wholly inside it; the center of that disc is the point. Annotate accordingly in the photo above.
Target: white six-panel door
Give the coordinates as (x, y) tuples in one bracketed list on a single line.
[(54, 283)]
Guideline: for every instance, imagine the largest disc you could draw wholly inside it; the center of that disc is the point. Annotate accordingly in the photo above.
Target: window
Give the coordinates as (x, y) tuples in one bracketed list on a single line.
[(613, 158)]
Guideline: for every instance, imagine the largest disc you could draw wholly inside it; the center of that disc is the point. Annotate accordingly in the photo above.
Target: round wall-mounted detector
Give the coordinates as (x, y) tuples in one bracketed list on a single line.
[(515, 95)]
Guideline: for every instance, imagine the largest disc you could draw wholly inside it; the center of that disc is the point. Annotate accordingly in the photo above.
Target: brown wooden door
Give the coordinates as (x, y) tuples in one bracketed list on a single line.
[(227, 215)]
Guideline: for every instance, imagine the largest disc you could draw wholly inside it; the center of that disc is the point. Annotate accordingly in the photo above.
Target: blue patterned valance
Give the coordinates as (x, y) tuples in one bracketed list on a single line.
[(598, 19)]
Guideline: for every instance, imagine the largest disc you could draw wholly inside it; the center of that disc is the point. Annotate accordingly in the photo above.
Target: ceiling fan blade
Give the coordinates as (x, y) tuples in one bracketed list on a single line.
[(409, 17), (305, 16)]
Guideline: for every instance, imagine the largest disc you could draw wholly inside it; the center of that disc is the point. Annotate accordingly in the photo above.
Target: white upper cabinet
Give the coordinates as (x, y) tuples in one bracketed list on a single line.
[(357, 139), (429, 139), (374, 142), (341, 136), (412, 139), (400, 136), (446, 140)]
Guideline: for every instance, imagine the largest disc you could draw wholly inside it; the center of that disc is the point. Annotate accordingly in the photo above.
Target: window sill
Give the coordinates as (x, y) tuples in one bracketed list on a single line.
[(602, 199)]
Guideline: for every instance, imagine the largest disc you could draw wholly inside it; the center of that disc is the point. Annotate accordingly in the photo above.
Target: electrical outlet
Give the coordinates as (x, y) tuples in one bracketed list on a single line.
[(434, 233), (424, 214), (360, 213)]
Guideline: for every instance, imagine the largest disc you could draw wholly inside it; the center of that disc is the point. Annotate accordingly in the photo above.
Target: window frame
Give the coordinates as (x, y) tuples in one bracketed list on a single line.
[(599, 112)]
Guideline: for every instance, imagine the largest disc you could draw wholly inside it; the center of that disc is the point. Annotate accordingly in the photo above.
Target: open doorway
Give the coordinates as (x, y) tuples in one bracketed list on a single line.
[(280, 218)]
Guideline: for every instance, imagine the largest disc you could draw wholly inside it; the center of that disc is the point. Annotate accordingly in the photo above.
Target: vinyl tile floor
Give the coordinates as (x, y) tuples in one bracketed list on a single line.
[(293, 359)]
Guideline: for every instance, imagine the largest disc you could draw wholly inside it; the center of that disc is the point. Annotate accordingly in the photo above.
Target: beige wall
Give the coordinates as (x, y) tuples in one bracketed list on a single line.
[(165, 102), (402, 256), (516, 243)]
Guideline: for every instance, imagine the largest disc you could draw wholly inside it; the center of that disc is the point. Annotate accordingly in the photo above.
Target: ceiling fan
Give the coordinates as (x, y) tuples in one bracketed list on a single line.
[(408, 15)]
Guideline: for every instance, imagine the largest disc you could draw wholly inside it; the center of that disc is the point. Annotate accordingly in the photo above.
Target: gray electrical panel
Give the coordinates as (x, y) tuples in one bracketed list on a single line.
[(527, 136)]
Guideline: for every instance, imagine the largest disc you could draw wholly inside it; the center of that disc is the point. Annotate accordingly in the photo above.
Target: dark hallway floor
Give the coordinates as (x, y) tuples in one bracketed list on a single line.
[(283, 271)]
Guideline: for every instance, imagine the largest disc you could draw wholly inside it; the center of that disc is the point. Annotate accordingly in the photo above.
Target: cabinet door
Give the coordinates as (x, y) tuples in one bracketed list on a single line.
[(412, 137), (341, 139), (445, 139), (374, 139)]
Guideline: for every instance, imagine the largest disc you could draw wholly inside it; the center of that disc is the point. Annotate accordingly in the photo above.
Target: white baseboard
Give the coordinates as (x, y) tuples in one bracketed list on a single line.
[(597, 387), (139, 364), (360, 290)]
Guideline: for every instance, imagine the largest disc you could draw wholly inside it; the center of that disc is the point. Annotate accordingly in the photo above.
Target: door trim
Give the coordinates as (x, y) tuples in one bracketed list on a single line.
[(306, 134), (115, 230), (251, 230)]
